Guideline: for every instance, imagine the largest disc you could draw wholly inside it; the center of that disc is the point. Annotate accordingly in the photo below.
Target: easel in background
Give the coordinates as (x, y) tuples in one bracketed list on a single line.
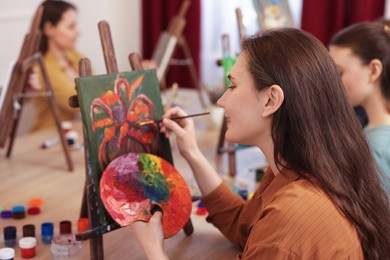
[(90, 204), (18, 88), (168, 42), (229, 147)]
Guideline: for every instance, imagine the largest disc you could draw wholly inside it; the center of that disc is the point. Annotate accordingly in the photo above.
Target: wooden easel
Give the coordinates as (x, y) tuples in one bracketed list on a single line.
[(17, 90), (229, 147), (168, 42), (90, 207)]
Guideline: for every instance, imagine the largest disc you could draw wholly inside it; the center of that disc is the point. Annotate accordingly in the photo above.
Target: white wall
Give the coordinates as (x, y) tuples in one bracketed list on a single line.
[(217, 21), (387, 9), (124, 17)]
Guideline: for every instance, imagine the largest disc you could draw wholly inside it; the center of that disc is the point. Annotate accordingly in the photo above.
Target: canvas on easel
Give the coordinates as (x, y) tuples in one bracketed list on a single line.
[(273, 13), (171, 40), (116, 110)]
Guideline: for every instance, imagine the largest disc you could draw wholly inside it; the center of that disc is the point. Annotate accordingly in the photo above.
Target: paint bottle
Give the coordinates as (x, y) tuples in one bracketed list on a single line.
[(29, 230), (47, 232), (33, 210), (65, 246), (35, 202), (71, 137), (65, 227), (10, 236), (201, 210), (18, 212), (82, 225), (66, 126), (243, 193), (7, 253), (27, 247), (5, 214)]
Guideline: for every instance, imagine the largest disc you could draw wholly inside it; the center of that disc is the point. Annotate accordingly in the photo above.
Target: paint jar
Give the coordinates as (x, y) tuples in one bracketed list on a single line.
[(18, 208), (71, 137), (18, 212), (10, 236), (29, 230), (7, 253), (47, 232), (33, 210), (66, 126), (82, 225), (5, 214), (27, 247), (18, 215), (65, 246), (243, 193), (35, 202), (65, 227)]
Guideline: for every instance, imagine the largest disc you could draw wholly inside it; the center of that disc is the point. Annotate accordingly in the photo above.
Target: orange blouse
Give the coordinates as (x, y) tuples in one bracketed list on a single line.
[(287, 218)]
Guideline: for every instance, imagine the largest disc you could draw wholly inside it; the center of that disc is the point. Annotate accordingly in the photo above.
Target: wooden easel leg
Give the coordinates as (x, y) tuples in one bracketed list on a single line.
[(194, 77), (221, 142), (96, 245), (230, 149), (231, 160), (13, 134), (84, 203), (56, 114), (188, 228)]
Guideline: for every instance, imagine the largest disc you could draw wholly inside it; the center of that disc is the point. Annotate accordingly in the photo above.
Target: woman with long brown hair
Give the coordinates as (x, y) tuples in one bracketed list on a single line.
[(321, 197)]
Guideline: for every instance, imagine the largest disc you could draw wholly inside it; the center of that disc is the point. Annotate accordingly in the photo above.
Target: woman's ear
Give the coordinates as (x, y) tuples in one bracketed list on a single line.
[(275, 98), (375, 67), (47, 28)]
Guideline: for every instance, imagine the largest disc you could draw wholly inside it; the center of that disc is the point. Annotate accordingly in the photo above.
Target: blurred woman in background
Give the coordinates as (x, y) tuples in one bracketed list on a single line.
[(362, 55), (59, 35)]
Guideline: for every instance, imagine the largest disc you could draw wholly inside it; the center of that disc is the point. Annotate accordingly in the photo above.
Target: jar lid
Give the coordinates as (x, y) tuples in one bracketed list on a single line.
[(10, 232), (7, 253), (66, 125), (6, 214), (27, 242), (18, 208), (66, 227), (47, 228), (35, 202), (33, 211), (29, 230)]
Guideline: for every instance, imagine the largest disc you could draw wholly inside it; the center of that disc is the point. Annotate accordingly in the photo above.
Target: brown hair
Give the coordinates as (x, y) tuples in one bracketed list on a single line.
[(368, 41), (316, 132), (52, 13)]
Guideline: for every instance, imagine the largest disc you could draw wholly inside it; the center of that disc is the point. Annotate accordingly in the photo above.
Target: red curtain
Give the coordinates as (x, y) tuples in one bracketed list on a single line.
[(156, 15), (324, 18)]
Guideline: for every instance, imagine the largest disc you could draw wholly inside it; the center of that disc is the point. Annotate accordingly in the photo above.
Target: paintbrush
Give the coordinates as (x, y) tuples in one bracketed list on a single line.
[(172, 118)]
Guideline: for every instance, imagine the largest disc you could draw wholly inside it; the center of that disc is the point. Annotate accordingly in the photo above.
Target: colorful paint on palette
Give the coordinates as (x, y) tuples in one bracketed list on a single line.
[(132, 183)]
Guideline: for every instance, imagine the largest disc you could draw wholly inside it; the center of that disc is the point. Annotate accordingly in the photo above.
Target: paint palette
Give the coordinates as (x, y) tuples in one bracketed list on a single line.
[(134, 183)]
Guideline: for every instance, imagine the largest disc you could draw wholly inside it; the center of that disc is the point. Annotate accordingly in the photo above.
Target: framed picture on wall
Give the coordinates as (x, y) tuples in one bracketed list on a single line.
[(273, 13)]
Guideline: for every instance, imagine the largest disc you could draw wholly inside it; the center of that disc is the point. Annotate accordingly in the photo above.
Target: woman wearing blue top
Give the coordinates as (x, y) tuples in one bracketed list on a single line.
[(362, 55)]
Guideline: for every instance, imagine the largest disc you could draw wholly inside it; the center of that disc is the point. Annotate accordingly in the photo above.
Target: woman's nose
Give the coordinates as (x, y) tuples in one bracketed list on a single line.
[(221, 100)]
